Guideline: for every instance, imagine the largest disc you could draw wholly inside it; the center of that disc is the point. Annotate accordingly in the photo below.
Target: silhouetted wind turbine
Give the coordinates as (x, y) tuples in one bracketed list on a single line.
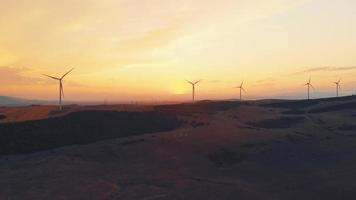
[(337, 87), (193, 87), (241, 89), (61, 91), (309, 85)]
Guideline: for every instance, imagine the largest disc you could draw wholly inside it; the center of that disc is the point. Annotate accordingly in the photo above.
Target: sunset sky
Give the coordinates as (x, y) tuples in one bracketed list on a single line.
[(146, 49)]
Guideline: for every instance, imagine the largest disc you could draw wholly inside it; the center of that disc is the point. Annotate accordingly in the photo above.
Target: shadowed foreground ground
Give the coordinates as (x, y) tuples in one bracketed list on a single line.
[(80, 128), (255, 150)]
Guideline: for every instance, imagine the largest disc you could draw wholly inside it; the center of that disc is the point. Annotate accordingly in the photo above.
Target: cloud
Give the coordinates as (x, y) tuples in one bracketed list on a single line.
[(215, 81), (150, 40), (266, 82), (16, 76), (270, 79), (114, 32), (325, 69), (20, 76)]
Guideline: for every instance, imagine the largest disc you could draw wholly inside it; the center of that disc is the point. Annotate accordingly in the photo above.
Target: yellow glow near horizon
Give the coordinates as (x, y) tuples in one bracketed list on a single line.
[(180, 89), (144, 50)]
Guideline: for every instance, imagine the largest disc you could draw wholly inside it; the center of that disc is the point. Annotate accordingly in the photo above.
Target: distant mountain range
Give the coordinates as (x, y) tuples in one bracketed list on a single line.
[(15, 101)]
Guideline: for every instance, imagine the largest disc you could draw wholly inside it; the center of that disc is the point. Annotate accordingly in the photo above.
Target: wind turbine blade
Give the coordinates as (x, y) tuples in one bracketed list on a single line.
[(190, 82), (243, 90), (67, 73), (242, 83), (312, 86), (197, 82), (51, 76)]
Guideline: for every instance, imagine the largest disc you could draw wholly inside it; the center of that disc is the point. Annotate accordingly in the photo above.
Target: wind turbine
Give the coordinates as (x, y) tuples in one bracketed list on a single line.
[(61, 91), (193, 87), (337, 87), (309, 85), (241, 89)]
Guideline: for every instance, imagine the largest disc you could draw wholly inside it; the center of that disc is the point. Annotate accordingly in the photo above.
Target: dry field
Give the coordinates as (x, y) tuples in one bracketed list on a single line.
[(219, 150)]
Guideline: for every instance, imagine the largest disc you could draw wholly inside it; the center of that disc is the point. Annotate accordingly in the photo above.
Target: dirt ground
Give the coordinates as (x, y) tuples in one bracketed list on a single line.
[(221, 152)]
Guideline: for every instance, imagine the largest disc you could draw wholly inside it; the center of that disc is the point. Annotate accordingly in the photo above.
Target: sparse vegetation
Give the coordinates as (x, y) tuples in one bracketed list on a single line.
[(2, 117), (337, 107), (199, 107), (282, 122), (252, 145), (225, 157), (132, 142), (80, 128), (293, 112), (292, 104), (196, 124), (347, 127)]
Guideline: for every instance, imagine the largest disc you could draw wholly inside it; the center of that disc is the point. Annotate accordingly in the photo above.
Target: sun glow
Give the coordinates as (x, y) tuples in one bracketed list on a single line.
[(180, 89), (128, 50)]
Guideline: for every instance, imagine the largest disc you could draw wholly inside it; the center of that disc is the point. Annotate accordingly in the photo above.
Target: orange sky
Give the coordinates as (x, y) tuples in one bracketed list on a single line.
[(144, 50)]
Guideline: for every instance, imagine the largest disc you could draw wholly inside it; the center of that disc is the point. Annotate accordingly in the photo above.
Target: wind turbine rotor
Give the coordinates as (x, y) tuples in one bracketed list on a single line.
[(61, 89), (190, 82)]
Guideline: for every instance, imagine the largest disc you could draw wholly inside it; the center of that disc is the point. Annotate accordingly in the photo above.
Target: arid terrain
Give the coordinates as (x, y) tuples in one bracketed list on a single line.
[(268, 149)]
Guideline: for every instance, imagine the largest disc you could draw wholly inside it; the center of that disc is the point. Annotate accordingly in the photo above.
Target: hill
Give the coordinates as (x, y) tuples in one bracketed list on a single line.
[(269, 149), (15, 101)]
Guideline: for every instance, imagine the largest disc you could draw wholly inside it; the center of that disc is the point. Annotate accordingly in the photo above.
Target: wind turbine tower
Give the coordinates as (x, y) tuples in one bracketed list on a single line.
[(61, 90), (241, 89), (193, 88), (337, 87), (309, 85)]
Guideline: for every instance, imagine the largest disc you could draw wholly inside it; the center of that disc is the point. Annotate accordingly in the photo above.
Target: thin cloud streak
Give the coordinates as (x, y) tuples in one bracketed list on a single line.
[(20, 76), (325, 69), (16, 76)]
